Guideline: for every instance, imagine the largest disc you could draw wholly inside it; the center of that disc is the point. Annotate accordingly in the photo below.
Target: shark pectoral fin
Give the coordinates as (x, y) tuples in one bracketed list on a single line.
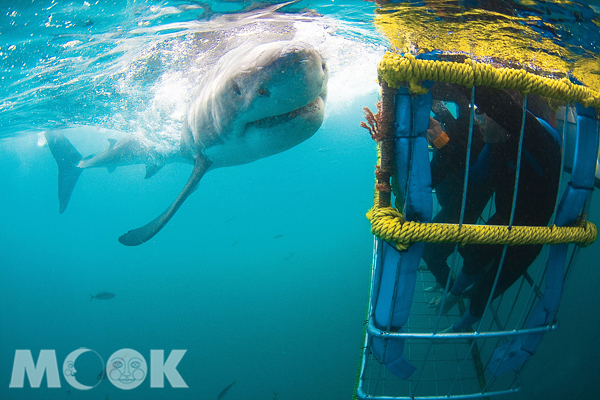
[(67, 158), (138, 236), (152, 169)]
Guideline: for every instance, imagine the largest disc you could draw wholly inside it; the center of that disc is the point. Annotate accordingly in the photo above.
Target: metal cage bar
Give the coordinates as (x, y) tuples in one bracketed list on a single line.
[(456, 365)]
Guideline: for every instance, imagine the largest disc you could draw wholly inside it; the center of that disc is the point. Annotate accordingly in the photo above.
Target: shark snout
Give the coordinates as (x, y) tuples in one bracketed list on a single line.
[(305, 70), (308, 57)]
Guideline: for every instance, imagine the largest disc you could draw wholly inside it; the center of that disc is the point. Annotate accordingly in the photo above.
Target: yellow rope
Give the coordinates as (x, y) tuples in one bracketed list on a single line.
[(388, 224), (396, 70)]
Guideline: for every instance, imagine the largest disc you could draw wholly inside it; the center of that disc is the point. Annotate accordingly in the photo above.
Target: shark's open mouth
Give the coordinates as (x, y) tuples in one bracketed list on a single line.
[(275, 120)]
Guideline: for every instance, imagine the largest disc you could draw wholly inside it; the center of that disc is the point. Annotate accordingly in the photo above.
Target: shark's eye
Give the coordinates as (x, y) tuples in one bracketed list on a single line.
[(263, 92), (236, 88)]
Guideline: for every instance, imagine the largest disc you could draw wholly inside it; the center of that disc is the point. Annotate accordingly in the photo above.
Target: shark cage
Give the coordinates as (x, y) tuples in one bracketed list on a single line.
[(484, 175)]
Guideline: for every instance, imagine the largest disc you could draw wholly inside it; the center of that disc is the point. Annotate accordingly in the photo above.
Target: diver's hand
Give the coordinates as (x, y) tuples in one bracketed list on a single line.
[(435, 135), (434, 131)]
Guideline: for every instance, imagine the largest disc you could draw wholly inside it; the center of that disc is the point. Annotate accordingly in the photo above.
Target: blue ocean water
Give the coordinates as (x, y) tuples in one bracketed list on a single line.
[(263, 274)]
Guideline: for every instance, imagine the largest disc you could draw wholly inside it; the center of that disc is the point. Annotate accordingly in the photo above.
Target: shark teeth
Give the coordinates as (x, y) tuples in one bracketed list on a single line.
[(283, 118)]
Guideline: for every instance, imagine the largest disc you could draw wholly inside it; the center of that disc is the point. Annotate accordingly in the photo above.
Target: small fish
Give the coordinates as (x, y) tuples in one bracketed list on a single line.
[(102, 296), (68, 389), (290, 256), (224, 391), (236, 242), (279, 236), (274, 395)]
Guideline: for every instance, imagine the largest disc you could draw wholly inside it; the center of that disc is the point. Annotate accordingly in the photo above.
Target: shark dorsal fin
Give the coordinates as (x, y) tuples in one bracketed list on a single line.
[(111, 143), (111, 168)]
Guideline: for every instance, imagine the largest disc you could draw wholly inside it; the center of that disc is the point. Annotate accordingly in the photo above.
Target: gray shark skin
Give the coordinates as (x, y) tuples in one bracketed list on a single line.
[(258, 101), (131, 150)]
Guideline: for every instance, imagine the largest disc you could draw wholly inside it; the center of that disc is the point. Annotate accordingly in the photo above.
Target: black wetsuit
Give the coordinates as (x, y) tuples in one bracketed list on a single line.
[(494, 172), (536, 195), (447, 178)]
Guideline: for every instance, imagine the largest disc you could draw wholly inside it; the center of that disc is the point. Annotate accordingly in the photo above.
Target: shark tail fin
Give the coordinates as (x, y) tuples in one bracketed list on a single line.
[(91, 297), (67, 158)]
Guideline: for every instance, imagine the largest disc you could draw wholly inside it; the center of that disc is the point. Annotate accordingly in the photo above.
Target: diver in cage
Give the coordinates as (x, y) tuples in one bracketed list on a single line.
[(499, 119), (447, 175)]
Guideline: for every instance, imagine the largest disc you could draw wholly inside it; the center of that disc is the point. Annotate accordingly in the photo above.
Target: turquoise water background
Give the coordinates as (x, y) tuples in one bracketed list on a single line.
[(263, 274)]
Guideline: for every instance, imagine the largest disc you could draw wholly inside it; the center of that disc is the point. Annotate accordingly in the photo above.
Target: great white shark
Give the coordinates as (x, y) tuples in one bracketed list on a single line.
[(258, 101)]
